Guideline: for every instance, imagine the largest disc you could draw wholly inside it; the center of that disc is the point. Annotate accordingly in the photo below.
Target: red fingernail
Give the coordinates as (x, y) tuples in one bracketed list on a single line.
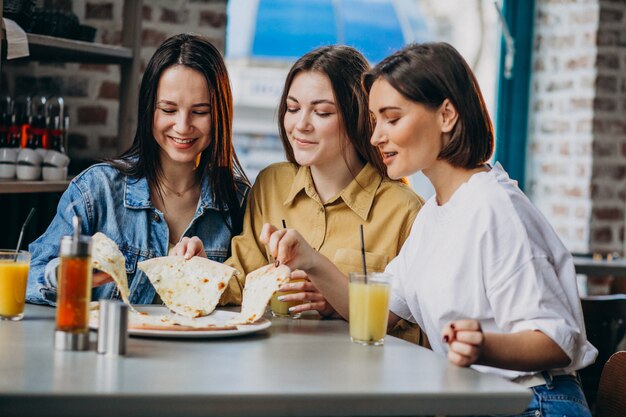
[(276, 263), (452, 326), (445, 339)]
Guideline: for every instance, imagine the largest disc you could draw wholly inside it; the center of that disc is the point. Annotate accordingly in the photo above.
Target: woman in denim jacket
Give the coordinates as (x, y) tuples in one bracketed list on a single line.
[(181, 176)]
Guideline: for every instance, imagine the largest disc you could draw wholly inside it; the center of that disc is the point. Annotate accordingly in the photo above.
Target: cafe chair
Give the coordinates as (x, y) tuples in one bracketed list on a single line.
[(605, 321), (612, 390)]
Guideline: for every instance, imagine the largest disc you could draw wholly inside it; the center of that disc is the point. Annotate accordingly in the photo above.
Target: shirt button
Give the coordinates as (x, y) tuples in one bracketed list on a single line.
[(155, 217)]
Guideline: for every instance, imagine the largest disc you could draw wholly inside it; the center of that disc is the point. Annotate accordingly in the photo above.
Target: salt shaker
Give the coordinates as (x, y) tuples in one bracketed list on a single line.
[(112, 327)]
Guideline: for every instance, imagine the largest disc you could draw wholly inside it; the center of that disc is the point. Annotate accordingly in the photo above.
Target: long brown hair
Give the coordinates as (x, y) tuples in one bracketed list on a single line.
[(344, 66), (218, 161)]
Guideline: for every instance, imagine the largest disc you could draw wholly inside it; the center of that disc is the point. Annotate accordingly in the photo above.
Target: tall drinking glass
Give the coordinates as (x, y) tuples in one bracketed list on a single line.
[(368, 307), (13, 277)]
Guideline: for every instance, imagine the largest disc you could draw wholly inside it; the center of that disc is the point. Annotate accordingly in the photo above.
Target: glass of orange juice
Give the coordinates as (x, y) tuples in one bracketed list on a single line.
[(13, 277), (368, 299), (281, 308)]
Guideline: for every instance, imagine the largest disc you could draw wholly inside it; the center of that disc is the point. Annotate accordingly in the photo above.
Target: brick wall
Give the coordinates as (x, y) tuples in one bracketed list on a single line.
[(577, 128), (91, 91), (608, 185)]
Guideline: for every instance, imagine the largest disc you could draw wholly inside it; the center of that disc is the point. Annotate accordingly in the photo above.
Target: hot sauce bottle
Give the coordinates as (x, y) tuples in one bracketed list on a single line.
[(73, 291)]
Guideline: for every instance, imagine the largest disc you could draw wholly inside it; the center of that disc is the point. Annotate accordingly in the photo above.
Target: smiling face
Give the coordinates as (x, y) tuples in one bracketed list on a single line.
[(312, 121), (182, 117), (408, 134)]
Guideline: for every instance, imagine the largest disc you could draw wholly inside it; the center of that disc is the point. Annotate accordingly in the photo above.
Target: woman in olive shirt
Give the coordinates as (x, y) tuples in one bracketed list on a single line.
[(333, 182)]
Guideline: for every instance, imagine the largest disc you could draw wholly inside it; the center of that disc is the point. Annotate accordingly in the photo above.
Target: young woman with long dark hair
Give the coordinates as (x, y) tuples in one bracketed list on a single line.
[(179, 178)]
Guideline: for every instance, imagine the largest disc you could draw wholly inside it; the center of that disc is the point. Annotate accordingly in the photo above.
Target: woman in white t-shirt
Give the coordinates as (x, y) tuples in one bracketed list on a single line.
[(482, 272)]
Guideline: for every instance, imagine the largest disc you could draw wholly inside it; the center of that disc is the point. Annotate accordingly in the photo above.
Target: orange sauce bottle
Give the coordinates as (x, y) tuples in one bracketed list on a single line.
[(73, 291)]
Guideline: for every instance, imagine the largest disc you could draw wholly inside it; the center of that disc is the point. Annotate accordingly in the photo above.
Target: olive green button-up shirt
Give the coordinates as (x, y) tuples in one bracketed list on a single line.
[(284, 191)]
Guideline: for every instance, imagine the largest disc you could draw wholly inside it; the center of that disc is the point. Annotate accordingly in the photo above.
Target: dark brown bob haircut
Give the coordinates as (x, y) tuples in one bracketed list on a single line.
[(430, 73), (345, 67)]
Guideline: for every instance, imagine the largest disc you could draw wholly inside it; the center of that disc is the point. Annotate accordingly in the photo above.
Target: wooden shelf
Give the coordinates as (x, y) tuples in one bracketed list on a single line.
[(23, 187), (48, 48)]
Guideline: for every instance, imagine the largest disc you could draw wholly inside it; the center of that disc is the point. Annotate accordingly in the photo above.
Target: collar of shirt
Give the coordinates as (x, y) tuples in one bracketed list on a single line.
[(358, 195), (137, 194)]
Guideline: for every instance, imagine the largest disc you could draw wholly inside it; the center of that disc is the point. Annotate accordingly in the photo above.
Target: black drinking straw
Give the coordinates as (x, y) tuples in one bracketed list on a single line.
[(363, 253), (284, 224), (19, 240)]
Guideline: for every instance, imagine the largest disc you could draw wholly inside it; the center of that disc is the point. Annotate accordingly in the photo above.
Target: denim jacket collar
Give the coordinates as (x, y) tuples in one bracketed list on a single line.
[(137, 194)]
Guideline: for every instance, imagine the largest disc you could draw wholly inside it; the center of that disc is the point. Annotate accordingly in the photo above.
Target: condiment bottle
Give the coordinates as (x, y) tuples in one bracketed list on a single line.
[(73, 291)]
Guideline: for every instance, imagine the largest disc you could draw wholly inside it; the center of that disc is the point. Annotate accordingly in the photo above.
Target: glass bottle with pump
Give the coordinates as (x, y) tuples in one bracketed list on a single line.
[(73, 291)]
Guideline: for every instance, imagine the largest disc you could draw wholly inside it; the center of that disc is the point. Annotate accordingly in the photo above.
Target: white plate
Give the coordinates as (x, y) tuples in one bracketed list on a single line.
[(218, 317)]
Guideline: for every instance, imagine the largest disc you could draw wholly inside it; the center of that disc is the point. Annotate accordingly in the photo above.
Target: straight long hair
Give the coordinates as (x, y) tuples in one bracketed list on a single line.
[(344, 66), (218, 161)]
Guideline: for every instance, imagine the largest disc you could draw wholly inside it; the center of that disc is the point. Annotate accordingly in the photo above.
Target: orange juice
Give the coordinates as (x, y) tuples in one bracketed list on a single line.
[(281, 308), (13, 278), (368, 311)]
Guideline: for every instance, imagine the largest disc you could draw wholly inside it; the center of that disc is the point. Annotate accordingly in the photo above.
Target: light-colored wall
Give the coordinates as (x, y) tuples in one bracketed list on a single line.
[(91, 91)]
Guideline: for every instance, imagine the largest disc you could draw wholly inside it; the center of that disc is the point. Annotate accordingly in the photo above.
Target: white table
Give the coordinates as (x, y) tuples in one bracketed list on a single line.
[(305, 367)]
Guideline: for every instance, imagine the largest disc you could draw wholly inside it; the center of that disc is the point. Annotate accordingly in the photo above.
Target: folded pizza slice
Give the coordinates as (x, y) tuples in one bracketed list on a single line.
[(260, 285), (191, 288), (106, 257)]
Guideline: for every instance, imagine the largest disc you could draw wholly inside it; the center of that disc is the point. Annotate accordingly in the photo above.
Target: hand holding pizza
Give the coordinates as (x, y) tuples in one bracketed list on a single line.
[(189, 247)]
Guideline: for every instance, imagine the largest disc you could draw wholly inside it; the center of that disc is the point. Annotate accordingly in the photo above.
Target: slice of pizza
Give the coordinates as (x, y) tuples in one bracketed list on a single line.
[(260, 286), (107, 257), (191, 288)]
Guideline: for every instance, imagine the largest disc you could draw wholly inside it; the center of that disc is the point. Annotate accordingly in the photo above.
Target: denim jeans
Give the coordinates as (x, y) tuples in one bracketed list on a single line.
[(560, 396)]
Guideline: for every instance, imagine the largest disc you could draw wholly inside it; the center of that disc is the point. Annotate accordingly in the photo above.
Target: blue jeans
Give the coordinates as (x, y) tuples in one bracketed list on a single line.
[(560, 396)]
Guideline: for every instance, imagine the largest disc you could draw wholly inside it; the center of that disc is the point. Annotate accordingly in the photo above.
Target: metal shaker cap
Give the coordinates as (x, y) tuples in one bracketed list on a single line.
[(77, 244), (113, 327)]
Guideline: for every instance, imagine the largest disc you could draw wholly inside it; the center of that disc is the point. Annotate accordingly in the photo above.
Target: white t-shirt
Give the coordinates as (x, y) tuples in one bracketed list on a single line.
[(488, 254)]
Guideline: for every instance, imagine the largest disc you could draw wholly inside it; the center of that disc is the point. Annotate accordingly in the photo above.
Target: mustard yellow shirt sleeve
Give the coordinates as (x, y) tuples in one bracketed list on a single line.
[(247, 252)]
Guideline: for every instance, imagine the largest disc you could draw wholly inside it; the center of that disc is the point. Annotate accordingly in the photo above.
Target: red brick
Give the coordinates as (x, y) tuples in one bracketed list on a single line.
[(602, 234), (212, 19), (100, 11), (611, 15), (174, 16), (605, 171), (146, 13), (605, 104), (608, 213), (109, 90), (607, 61), (604, 149), (151, 37), (92, 115), (582, 62)]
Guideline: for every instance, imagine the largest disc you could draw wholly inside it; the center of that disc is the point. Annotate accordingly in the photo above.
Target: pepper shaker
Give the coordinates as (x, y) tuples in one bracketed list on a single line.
[(113, 327)]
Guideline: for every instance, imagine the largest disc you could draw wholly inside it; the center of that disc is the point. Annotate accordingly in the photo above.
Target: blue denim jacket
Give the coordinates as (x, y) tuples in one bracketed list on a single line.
[(109, 202)]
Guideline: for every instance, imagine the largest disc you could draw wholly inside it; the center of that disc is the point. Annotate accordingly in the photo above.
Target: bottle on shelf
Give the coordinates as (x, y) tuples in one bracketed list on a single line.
[(56, 124), (37, 134)]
